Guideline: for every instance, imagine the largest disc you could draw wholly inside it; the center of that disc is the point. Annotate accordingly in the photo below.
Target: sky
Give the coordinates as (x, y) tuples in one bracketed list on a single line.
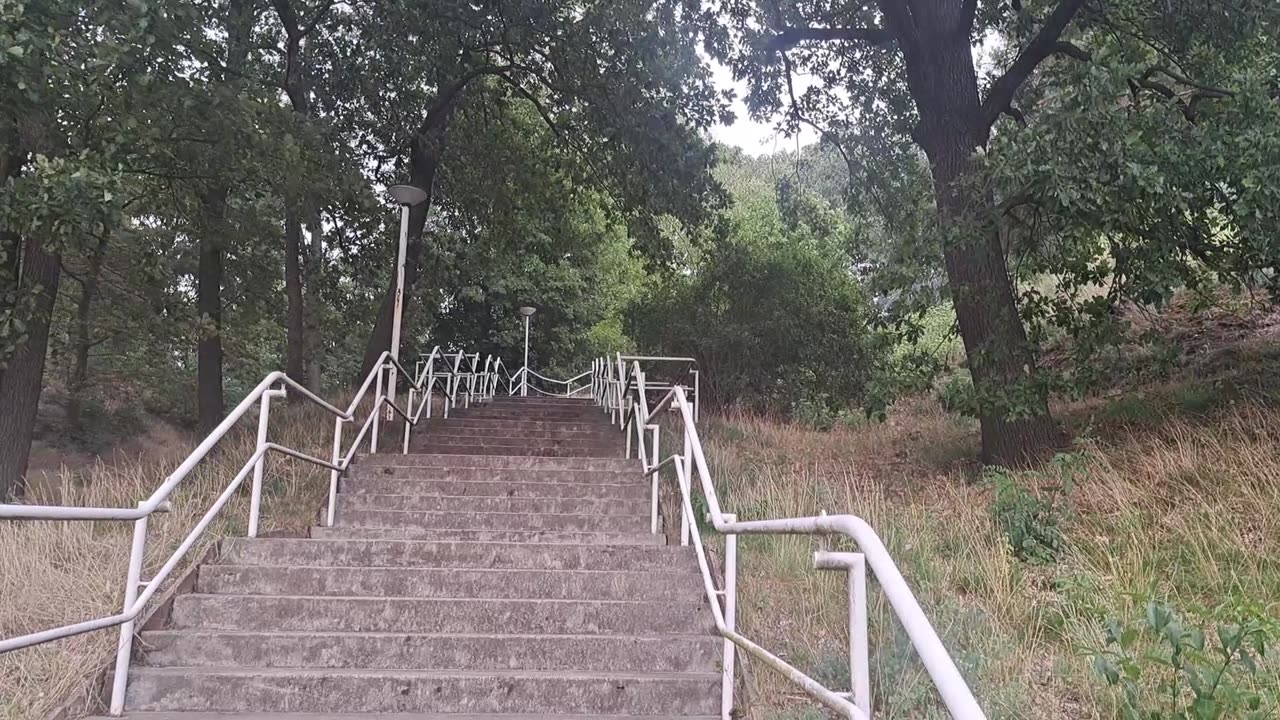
[(755, 138)]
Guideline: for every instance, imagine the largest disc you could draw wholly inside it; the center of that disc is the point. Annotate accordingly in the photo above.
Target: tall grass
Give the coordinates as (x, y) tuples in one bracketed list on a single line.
[(56, 573), (1185, 511)]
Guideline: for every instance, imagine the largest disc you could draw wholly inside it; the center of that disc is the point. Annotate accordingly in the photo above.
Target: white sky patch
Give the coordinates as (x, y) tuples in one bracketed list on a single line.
[(758, 138), (754, 137)]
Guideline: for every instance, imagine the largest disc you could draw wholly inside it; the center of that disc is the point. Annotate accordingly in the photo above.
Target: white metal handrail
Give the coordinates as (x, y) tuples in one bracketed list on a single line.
[(610, 381), (274, 385)]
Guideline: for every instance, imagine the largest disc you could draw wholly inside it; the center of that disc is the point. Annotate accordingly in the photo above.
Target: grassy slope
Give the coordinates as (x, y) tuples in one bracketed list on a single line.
[(1176, 501), (56, 573)]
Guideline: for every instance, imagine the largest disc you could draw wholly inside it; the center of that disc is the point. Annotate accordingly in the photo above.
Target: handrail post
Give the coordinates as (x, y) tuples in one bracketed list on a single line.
[(334, 474), (653, 463), (697, 394), (124, 648), (855, 567), (730, 619), (377, 410), (687, 461), (408, 414), (255, 495)]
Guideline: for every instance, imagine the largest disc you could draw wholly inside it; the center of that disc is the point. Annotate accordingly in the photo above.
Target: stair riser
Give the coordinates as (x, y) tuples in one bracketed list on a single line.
[(692, 694), (429, 439), (433, 652), (491, 521), (359, 473), (435, 503), (447, 583), (540, 451), (394, 553), (510, 424), (490, 536), (500, 432), (412, 615), (450, 488), (503, 412), (396, 459)]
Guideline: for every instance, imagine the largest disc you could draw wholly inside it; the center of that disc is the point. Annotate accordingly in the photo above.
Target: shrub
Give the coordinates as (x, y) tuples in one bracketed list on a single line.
[(1169, 669), (1030, 521)]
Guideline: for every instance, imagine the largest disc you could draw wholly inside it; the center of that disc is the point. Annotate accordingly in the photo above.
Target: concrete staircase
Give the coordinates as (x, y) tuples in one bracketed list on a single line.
[(503, 569)]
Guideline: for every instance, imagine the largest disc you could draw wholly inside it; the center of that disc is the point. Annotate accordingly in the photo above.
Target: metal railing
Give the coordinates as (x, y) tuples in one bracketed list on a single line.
[(443, 372), (621, 389)]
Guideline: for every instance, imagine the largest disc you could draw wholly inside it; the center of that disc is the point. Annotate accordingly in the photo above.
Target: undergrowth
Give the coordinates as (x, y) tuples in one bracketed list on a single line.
[(1025, 575), (57, 573)]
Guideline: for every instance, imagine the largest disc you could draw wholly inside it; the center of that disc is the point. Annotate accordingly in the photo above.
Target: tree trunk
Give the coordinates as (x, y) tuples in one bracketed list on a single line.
[(209, 400), (294, 331), (1013, 408), (24, 377), (79, 381), (423, 162)]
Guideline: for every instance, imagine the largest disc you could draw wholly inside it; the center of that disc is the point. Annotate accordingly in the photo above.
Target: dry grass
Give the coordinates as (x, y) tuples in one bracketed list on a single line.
[(55, 573), (1183, 511)]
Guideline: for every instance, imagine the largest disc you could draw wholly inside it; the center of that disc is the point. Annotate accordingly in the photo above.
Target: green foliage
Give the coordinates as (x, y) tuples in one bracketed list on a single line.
[(1032, 519), (1169, 669), (772, 313), (957, 395)]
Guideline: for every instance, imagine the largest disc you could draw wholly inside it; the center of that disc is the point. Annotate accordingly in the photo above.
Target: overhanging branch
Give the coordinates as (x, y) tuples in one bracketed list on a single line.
[(1044, 44), (790, 37)]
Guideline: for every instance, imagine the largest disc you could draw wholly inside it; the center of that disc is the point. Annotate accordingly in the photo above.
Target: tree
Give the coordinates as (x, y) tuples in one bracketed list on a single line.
[(910, 67), (617, 82)]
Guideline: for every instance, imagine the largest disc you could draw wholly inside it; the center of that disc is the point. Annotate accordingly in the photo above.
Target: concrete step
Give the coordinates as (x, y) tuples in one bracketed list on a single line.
[(291, 613), (542, 401), (605, 434), (547, 412), (455, 421), (462, 583), (302, 552), (547, 439), (533, 451), (692, 653), (465, 473), (489, 503), (374, 485), (490, 536), (391, 716), (494, 521), (353, 690), (454, 460)]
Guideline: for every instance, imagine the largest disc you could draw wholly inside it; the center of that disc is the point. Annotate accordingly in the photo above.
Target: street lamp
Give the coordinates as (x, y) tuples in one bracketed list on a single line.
[(527, 312), (406, 196)]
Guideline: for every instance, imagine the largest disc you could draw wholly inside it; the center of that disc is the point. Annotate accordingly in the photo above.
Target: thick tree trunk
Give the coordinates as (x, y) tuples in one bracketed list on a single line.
[(423, 162), (1014, 408), (24, 377), (294, 330), (209, 400), (79, 381)]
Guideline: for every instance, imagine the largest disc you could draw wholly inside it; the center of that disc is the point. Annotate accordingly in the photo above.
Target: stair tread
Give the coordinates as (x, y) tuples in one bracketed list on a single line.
[(409, 634), (409, 673), (179, 715)]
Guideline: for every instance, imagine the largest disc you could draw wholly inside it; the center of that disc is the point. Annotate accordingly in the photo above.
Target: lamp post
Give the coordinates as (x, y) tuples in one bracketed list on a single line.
[(406, 196), (527, 312)]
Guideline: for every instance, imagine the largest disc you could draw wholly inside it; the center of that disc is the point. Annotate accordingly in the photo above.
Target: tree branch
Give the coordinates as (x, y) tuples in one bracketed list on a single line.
[(790, 37), (1062, 47), (1041, 46)]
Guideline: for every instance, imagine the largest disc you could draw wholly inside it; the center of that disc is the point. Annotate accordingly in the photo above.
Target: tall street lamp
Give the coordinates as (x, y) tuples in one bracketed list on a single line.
[(527, 312), (406, 196)]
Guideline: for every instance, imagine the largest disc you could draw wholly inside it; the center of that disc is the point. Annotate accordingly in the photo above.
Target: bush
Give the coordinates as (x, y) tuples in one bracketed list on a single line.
[(776, 326), (1030, 521), (1169, 669)]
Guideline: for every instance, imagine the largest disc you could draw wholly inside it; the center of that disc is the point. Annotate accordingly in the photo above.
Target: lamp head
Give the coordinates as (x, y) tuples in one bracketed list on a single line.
[(527, 311), (407, 194)]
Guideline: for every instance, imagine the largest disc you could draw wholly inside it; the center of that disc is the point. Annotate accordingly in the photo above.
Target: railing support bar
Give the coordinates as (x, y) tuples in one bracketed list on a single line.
[(334, 474), (124, 648), (730, 621)]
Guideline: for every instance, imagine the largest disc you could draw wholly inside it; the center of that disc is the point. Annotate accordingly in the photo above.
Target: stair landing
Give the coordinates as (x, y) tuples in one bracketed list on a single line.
[(501, 570)]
